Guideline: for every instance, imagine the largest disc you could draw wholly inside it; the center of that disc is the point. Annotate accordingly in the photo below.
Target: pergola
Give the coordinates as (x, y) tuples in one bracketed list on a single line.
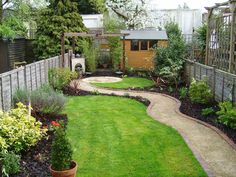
[(102, 35), (220, 40)]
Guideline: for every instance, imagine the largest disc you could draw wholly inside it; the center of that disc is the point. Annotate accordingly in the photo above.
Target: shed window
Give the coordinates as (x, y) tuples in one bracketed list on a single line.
[(144, 45), (153, 44), (134, 45)]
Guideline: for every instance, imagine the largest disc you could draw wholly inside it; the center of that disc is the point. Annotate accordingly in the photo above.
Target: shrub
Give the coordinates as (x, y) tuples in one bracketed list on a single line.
[(90, 54), (169, 60), (44, 99), (227, 114), (61, 154), (200, 92), (61, 77), (207, 111), (10, 163), (183, 92), (19, 130)]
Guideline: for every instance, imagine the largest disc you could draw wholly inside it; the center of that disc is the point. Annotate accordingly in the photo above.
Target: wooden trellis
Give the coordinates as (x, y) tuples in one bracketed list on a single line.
[(220, 44)]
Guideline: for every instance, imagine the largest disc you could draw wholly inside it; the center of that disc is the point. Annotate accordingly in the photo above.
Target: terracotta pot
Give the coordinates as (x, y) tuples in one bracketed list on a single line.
[(105, 65), (67, 173)]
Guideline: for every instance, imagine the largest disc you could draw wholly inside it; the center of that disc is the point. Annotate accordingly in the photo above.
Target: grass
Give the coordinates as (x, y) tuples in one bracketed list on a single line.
[(130, 82), (114, 137)]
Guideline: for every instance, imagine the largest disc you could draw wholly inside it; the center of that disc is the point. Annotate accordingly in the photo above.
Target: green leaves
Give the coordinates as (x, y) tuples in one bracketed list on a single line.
[(61, 154), (169, 60), (60, 16), (19, 130), (227, 114), (200, 92)]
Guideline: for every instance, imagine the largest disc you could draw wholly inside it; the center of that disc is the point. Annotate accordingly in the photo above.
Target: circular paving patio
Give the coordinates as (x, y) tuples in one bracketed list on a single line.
[(102, 79)]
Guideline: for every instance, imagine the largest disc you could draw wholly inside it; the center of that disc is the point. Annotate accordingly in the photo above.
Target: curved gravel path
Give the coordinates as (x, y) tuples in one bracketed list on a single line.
[(217, 156)]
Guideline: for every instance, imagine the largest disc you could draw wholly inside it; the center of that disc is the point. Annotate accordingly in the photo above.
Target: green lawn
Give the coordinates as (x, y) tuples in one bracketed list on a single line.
[(130, 82), (114, 137)]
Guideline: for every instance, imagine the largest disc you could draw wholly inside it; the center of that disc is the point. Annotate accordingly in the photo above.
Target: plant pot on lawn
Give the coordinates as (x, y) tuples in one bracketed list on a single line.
[(62, 164)]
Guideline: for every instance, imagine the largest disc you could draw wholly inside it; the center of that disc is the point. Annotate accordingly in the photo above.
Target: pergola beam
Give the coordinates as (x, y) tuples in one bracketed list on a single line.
[(103, 35)]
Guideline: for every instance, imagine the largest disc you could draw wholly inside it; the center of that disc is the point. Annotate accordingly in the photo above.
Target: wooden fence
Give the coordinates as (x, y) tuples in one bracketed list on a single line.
[(222, 83), (28, 77)]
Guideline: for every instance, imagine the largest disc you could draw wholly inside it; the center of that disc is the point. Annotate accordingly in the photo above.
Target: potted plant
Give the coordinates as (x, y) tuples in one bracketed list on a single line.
[(104, 61), (62, 164)]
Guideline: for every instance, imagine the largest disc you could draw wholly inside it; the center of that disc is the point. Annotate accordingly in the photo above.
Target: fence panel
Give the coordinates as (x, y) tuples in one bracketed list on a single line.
[(28, 77), (221, 82)]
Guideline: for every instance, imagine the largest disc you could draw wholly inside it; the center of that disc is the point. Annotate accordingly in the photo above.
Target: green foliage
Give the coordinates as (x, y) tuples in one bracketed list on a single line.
[(61, 77), (227, 114), (10, 163), (44, 99), (200, 36), (183, 92), (113, 25), (200, 92), (90, 54), (208, 111), (59, 17), (169, 60), (91, 6), (19, 130), (12, 27), (61, 155)]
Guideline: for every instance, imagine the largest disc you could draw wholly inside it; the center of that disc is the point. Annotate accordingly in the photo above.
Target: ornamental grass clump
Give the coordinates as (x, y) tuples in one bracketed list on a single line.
[(19, 130), (200, 92), (61, 154)]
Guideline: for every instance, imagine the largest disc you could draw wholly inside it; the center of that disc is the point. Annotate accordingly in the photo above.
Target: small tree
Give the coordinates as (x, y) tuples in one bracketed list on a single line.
[(61, 155), (169, 60), (113, 25), (60, 16)]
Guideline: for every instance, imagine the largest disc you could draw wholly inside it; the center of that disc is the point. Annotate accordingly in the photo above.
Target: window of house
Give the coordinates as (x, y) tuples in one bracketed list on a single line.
[(144, 45), (134, 45), (153, 44)]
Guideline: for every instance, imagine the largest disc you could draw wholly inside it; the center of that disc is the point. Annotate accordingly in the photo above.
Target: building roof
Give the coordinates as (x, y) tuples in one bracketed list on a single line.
[(146, 34)]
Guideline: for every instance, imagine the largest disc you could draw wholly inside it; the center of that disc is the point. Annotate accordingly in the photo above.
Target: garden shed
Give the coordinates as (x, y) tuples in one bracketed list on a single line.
[(140, 45)]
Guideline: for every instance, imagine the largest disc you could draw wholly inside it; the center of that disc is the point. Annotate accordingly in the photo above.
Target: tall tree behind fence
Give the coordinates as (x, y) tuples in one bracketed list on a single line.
[(28, 77), (220, 44)]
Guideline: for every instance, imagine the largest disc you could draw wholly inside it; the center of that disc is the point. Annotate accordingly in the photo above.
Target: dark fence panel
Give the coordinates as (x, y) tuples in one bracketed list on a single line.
[(16, 50)]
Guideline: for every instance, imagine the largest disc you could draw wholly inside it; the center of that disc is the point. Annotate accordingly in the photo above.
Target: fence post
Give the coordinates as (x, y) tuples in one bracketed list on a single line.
[(194, 69), (223, 88), (214, 79), (233, 91)]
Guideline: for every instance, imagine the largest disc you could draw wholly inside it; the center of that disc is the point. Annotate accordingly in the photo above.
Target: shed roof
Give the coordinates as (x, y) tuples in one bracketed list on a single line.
[(146, 34)]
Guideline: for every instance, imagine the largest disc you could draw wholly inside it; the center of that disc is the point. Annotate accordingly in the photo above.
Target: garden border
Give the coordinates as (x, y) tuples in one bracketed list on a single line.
[(177, 110)]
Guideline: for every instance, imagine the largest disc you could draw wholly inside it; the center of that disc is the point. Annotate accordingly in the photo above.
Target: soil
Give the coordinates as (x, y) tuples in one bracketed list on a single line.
[(35, 161)]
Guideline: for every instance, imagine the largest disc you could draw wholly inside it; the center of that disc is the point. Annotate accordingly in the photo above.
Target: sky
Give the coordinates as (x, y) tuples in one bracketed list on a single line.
[(193, 4)]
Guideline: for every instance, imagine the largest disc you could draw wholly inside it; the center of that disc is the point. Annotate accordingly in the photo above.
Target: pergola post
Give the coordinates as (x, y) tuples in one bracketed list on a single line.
[(232, 4), (123, 61), (208, 35), (63, 49), (73, 44)]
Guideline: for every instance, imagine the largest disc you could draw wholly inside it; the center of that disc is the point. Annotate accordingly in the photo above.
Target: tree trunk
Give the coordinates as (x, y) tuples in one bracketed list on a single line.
[(1, 12)]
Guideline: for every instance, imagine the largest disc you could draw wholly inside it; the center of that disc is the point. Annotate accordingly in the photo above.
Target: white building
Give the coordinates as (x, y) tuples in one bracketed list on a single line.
[(93, 21), (187, 19)]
